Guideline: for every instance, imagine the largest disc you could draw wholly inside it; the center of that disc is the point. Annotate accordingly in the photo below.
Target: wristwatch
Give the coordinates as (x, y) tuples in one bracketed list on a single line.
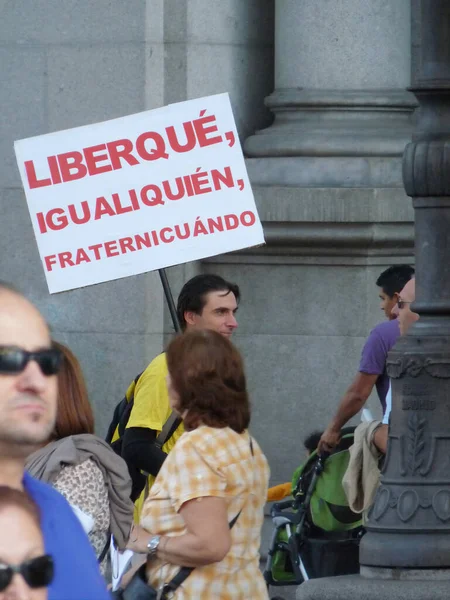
[(153, 543)]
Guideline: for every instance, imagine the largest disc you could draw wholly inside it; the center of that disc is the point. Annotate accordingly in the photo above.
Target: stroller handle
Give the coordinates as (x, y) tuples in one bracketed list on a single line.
[(324, 455), (282, 505)]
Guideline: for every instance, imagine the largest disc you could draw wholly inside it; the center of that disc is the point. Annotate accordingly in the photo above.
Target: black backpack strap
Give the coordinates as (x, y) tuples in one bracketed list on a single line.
[(169, 428), (121, 415)]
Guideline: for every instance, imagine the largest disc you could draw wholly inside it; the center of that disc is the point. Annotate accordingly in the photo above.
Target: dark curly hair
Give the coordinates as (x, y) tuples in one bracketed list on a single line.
[(194, 293), (207, 373)]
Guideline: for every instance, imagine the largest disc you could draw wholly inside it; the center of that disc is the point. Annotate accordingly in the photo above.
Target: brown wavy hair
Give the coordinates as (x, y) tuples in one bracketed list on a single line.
[(207, 372), (74, 413)]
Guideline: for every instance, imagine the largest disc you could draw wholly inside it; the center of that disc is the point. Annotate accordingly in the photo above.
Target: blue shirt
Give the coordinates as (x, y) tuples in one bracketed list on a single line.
[(77, 575)]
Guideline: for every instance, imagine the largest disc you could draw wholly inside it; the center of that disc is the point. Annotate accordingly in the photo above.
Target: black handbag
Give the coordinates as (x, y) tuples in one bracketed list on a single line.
[(138, 588)]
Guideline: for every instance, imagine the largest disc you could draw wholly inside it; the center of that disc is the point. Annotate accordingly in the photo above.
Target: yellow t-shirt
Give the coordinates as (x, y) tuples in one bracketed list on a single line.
[(151, 409)]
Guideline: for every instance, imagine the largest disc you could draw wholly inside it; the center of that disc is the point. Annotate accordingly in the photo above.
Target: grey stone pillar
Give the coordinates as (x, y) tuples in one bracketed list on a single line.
[(340, 100), (327, 179)]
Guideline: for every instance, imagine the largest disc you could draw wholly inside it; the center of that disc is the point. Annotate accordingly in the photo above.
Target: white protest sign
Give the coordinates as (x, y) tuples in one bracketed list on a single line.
[(139, 193)]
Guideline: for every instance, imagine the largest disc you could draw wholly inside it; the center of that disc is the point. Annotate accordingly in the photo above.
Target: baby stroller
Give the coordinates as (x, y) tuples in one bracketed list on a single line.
[(315, 534)]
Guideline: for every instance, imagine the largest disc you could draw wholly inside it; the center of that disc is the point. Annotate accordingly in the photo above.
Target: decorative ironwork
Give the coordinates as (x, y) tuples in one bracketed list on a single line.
[(409, 525), (413, 366), (416, 443), (408, 503)]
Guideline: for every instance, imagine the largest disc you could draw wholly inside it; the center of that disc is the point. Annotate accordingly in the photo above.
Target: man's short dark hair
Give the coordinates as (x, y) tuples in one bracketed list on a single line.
[(394, 279), (193, 295)]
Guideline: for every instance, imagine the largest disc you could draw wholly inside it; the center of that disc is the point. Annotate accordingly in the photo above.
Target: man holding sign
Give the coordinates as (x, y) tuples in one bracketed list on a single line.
[(205, 302)]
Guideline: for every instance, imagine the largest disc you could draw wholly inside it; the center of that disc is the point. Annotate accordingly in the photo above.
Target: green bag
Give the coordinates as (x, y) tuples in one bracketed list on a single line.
[(281, 566)]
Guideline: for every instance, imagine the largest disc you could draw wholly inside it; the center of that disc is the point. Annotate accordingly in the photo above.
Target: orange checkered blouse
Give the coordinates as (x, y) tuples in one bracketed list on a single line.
[(212, 462)]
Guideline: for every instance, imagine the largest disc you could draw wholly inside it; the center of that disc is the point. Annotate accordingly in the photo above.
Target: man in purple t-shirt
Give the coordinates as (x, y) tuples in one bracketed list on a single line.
[(373, 358), (372, 367)]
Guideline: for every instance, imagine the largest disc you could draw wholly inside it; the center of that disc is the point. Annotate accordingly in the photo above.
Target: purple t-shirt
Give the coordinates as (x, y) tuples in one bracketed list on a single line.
[(374, 355)]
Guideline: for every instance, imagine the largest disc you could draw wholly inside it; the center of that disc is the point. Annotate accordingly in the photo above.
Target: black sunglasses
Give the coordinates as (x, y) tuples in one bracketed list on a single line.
[(37, 572), (402, 303), (14, 360)]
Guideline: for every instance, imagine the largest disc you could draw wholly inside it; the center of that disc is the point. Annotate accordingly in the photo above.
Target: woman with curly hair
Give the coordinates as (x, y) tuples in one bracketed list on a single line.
[(205, 509)]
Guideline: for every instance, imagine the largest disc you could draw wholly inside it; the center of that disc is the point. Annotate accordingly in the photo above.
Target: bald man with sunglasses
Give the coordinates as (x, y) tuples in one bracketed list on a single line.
[(28, 401)]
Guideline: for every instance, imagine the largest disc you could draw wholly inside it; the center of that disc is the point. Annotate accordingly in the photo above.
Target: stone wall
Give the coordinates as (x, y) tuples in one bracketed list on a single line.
[(71, 63), (326, 177)]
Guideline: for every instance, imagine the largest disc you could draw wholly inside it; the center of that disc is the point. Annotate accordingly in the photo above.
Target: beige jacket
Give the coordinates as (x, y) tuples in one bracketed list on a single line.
[(362, 476)]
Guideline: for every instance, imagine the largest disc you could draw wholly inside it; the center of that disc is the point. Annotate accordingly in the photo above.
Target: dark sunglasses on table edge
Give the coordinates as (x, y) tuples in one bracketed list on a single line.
[(37, 572), (14, 359)]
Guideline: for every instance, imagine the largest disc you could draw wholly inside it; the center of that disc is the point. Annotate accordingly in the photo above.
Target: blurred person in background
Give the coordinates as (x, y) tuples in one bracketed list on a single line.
[(25, 569), (206, 301), (372, 367), (406, 317), (82, 467), (28, 400)]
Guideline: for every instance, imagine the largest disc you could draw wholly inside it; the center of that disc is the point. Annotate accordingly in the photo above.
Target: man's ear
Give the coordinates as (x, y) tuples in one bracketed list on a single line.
[(189, 317)]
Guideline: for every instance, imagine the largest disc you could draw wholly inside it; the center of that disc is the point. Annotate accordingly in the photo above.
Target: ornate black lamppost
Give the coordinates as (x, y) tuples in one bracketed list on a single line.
[(409, 525)]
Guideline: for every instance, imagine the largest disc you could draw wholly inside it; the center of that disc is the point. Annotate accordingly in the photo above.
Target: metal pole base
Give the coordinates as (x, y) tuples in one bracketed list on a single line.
[(396, 551), (405, 574), (355, 587)]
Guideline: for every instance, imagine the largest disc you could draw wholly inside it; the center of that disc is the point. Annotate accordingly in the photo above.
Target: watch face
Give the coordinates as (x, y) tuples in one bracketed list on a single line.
[(153, 544)]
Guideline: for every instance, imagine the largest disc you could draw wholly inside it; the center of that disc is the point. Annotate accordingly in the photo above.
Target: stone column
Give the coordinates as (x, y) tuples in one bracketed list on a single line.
[(327, 179), (340, 100)]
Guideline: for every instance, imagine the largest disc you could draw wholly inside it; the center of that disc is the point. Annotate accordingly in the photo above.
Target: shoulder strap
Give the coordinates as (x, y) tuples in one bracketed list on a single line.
[(184, 572), (104, 552), (121, 414), (169, 428)]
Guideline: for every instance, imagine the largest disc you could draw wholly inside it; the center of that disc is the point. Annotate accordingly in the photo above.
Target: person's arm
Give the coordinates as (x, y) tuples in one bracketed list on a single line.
[(352, 402), (139, 449), (150, 411), (207, 539), (196, 478), (371, 366), (380, 438)]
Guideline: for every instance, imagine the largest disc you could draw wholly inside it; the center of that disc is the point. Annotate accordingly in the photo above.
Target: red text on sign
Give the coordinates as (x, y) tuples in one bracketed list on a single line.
[(149, 239), (148, 146)]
